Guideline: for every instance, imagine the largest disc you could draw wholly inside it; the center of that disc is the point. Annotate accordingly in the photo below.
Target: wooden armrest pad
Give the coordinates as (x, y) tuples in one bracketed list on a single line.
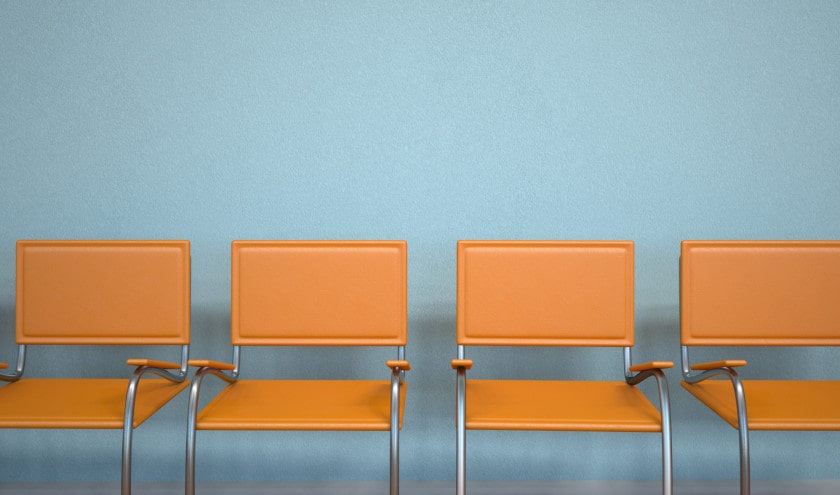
[(727, 363), (462, 363), (219, 365), (401, 364), (164, 365), (652, 365), (3, 366)]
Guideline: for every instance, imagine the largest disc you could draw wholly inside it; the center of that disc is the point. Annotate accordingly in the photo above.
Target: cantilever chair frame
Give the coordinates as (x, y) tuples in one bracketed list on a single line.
[(633, 374), (699, 372), (230, 372), (142, 367), (725, 368), (174, 372)]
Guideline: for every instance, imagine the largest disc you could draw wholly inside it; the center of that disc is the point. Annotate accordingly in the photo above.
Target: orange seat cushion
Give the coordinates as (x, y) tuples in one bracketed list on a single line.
[(301, 405), (775, 404), (80, 402), (558, 405)]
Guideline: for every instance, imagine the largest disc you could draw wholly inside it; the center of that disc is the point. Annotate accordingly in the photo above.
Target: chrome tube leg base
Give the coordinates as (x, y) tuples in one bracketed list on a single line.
[(192, 412), (743, 434), (125, 479), (667, 452), (128, 430), (395, 434), (665, 412), (740, 406), (745, 462), (461, 434)]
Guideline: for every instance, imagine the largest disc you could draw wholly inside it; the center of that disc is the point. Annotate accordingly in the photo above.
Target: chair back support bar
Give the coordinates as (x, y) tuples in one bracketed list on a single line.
[(103, 292), (569, 293), (319, 293), (760, 293)]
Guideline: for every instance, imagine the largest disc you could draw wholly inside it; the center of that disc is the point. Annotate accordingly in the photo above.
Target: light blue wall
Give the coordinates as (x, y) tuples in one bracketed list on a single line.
[(431, 122)]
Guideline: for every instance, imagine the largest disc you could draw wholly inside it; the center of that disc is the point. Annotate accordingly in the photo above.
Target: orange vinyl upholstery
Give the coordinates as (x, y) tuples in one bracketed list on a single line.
[(775, 404), (80, 403), (124, 293), (559, 405), (311, 293), (760, 293), (551, 293), (318, 293), (301, 405), (103, 292)]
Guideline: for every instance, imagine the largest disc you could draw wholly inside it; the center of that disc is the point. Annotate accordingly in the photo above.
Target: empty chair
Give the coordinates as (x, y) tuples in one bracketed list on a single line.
[(122, 293), (552, 293), (310, 293), (760, 293)]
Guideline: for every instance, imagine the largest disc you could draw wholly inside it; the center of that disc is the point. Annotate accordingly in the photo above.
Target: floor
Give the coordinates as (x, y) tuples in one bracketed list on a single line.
[(759, 487)]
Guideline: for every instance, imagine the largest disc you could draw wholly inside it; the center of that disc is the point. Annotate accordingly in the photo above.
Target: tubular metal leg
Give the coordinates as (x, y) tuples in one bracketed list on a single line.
[(461, 433), (667, 456), (740, 405), (192, 411), (665, 412), (743, 434), (128, 416), (128, 430), (395, 433)]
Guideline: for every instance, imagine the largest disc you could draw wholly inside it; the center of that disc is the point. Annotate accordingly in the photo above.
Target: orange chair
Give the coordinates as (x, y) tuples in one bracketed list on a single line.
[(99, 293), (760, 293), (310, 293), (552, 293)]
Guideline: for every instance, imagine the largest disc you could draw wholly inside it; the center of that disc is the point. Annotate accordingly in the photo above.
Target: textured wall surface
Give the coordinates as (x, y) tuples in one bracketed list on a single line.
[(429, 121)]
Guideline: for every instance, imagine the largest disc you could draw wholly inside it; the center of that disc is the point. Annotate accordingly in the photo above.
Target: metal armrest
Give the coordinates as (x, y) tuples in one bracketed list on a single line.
[(219, 365), (711, 365), (462, 363), (651, 365), (715, 368), (710, 368), (159, 368), (398, 364), (151, 363), (643, 371), (18, 370)]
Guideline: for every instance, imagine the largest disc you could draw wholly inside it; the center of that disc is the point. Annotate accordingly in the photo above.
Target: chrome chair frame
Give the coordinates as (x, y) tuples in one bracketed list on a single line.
[(740, 406), (397, 379), (130, 399), (630, 378), (231, 375)]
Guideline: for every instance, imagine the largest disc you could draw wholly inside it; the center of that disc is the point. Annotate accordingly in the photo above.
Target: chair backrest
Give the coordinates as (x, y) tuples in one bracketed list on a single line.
[(319, 293), (103, 292), (760, 293), (570, 293)]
